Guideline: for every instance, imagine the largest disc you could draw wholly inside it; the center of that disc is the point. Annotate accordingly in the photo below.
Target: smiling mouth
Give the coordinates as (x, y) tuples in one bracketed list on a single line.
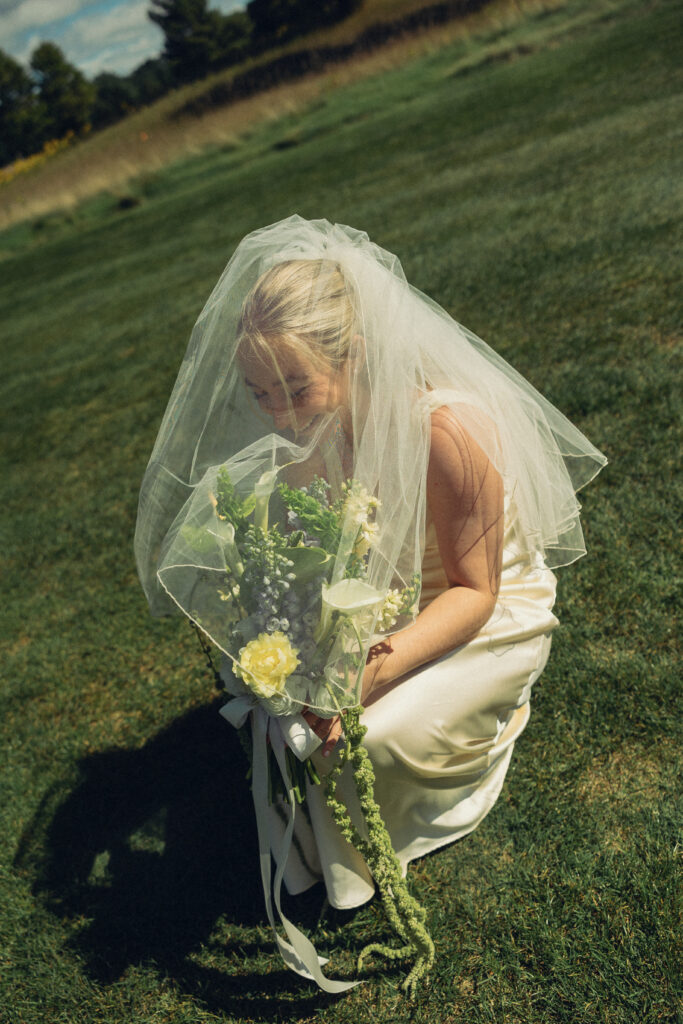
[(308, 427), (300, 432)]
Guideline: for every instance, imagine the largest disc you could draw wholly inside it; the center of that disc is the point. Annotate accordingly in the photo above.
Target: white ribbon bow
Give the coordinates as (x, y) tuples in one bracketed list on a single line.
[(299, 953)]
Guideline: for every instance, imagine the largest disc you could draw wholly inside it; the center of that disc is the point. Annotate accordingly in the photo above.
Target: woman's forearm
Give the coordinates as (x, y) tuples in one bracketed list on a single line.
[(451, 619)]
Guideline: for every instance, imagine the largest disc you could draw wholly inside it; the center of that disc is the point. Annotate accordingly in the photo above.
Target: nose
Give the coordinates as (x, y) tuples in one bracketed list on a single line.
[(279, 409)]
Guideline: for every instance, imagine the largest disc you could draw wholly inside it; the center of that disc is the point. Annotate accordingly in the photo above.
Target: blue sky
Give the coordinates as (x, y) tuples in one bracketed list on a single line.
[(95, 35)]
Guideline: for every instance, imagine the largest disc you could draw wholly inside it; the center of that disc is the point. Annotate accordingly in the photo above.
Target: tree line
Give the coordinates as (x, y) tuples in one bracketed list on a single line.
[(51, 97)]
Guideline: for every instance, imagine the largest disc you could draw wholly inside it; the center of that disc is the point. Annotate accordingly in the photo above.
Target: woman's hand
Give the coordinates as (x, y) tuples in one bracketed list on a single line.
[(330, 730)]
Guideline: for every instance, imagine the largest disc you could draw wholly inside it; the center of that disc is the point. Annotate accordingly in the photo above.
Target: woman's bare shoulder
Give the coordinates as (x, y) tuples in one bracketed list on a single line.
[(448, 437), (454, 455), (443, 418)]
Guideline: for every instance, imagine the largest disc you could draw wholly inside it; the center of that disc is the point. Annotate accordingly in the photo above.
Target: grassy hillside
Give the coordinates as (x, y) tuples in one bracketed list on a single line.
[(155, 136), (528, 183)]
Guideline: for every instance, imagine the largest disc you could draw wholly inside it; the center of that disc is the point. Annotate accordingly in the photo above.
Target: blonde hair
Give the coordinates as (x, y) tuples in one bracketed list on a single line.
[(306, 305)]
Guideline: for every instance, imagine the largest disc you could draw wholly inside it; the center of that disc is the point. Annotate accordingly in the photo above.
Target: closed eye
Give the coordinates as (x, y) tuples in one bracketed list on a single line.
[(299, 393)]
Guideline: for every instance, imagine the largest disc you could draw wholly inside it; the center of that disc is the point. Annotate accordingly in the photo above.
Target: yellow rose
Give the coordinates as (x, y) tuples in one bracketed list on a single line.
[(266, 663)]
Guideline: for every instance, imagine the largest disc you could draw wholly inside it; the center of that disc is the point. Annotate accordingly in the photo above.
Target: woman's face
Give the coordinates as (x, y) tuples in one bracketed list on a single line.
[(293, 390)]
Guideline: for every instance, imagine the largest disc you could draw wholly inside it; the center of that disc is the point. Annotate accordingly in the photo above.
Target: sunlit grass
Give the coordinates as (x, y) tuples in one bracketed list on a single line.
[(536, 197)]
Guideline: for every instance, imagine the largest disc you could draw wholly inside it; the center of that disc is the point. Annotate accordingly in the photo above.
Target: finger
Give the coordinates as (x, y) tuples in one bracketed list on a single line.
[(318, 725), (333, 737)]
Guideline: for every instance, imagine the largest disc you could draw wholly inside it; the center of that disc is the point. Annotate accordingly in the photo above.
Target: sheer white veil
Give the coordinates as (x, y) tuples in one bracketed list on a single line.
[(410, 357)]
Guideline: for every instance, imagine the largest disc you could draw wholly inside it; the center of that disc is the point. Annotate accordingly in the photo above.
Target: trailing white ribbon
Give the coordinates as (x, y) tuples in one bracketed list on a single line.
[(299, 953)]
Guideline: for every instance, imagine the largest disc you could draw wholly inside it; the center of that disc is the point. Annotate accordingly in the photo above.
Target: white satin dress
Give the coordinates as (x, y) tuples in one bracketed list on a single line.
[(441, 741)]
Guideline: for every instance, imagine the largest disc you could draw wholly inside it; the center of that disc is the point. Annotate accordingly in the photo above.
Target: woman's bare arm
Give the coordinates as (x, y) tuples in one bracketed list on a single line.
[(465, 497)]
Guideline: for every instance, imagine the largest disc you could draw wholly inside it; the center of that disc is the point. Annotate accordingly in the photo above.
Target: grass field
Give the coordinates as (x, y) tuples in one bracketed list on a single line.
[(533, 195)]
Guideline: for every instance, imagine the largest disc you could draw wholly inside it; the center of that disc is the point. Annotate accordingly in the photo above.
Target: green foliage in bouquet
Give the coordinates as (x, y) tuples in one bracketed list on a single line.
[(231, 507), (317, 519)]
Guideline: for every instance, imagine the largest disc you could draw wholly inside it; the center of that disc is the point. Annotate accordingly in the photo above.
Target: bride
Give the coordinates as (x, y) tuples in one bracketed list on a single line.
[(314, 355)]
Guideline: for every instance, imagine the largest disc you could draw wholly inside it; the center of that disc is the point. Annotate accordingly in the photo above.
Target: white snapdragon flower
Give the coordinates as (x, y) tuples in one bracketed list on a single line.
[(369, 532), (360, 507), (390, 610)]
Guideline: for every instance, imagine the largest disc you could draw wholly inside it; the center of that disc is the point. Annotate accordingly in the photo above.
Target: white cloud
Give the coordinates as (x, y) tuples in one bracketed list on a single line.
[(116, 40), (24, 54), (120, 59), (124, 22), (95, 35), (228, 6), (24, 15)]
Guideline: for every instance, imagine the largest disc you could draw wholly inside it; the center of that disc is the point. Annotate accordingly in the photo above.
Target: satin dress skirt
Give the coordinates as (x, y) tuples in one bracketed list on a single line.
[(440, 742)]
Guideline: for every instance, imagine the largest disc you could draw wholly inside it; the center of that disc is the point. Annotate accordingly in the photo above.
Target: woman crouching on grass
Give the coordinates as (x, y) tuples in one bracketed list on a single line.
[(316, 370)]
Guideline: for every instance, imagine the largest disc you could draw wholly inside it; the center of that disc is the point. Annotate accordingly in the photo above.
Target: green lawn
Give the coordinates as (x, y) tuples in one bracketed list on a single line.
[(527, 182)]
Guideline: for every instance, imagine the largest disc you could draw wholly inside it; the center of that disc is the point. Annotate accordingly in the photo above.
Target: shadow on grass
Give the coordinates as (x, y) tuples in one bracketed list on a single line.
[(150, 847)]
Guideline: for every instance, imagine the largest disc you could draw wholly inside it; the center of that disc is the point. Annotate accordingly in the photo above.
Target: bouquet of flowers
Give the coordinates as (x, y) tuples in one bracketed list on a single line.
[(296, 629)]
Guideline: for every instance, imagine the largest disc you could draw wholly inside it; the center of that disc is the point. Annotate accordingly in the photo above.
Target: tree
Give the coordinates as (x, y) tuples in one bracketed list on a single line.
[(277, 20), (191, 36), (116, 96), (152, 79), (235, 38), (20, 113), (66, 96)]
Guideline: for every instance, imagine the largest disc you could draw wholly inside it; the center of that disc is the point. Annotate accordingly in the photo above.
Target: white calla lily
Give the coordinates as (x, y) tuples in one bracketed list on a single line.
[(349, 598), (262, 492), (225, 532)]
